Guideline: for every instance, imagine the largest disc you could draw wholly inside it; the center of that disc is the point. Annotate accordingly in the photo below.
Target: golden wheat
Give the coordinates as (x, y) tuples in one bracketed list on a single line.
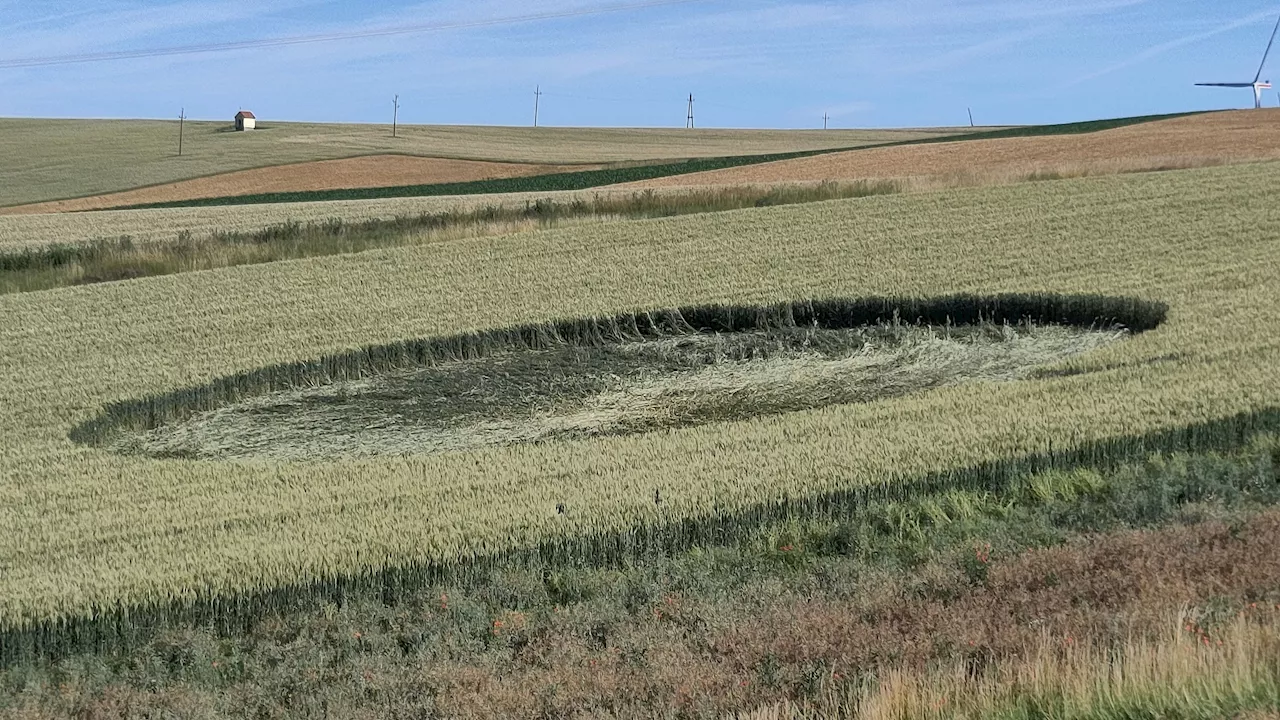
[(85, 531), (18, 232)]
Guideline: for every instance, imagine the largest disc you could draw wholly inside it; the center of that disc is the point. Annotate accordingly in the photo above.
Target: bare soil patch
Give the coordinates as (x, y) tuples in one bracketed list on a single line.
[(1195, 141), (362, 172)]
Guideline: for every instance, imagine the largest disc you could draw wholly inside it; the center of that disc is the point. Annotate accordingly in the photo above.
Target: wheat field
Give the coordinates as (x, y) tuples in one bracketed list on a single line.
[(86, 531), (1220, 138), (166, 224), (43, 160), (358, 172)]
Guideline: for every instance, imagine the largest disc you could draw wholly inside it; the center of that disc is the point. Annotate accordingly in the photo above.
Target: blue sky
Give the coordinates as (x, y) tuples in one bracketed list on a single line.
[(750, 63)]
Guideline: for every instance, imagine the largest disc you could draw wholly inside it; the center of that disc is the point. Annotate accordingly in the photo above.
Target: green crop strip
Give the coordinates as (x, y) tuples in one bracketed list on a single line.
[(1076, 128), (598, 178)]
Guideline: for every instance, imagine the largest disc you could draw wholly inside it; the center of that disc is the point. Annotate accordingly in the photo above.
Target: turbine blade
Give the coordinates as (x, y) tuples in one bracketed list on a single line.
[(1268, 52), (1232, 85)]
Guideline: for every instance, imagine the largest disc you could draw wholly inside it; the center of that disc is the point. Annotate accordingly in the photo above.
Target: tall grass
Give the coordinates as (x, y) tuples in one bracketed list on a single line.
[(1231, 673)]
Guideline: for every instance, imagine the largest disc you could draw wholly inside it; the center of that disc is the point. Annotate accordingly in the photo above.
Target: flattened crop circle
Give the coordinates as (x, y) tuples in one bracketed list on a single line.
[(631, 373)]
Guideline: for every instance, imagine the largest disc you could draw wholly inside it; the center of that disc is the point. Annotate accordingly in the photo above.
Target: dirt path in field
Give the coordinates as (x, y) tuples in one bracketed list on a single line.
[(1211, 139), (362, 172)]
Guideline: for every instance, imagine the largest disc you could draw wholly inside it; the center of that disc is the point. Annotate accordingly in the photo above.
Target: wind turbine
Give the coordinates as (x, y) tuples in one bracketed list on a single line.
[(1257, 84)]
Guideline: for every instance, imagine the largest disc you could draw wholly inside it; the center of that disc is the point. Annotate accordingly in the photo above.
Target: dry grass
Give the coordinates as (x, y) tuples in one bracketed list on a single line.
[(1037, 629), (43, 160), (362, 172), (1195, 141), (85, 528), (1179, 676), (1074, 590)]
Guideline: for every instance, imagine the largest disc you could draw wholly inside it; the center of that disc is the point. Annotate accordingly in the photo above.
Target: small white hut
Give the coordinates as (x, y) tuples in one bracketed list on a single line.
[(245, 121)]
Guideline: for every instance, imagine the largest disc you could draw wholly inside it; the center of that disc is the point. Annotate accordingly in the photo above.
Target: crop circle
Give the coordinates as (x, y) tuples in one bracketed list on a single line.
[(633, 373)]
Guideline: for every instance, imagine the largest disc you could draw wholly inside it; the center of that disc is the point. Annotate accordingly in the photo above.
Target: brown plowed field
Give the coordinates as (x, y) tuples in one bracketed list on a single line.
[(362, 172), (1211, 139)]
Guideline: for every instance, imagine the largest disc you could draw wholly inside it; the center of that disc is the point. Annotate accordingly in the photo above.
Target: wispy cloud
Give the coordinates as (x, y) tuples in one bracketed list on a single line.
[(1157, 50), (107, 26), (967, 53), (161, 24), (899, 14)]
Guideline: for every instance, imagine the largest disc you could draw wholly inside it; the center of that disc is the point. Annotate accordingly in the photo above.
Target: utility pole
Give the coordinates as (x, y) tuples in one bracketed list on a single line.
[(537, 101), (970, 117), (825, 117), (182, 119), (395, 115), (689, 122)]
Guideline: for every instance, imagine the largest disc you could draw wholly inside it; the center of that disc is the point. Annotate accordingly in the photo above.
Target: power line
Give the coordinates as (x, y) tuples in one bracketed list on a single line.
[(331, 37)]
